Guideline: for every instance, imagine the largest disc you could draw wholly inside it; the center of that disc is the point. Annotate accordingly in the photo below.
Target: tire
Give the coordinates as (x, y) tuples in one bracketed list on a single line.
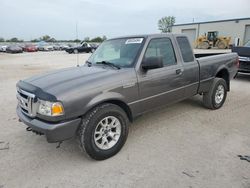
[(92, 50), (93, 137), (221, 45), (75, 51), (203, 45), (217, 94)]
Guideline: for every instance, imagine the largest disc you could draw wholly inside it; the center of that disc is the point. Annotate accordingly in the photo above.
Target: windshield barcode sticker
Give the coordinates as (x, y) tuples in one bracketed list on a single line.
[(134, 41)]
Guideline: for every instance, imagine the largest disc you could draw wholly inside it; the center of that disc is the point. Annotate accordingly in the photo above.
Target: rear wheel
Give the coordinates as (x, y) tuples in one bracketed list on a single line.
[(75, 51), (216, 96), (103, 131), (221, 45)]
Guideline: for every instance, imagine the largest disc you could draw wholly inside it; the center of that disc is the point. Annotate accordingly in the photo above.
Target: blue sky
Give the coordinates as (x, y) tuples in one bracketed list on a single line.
[(29, 19)]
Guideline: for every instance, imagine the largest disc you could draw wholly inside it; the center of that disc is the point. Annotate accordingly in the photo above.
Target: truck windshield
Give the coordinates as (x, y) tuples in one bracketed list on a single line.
[(120, 52)]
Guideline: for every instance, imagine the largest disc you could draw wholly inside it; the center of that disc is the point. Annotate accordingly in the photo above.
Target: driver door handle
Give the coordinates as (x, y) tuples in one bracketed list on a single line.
[(179, 71)]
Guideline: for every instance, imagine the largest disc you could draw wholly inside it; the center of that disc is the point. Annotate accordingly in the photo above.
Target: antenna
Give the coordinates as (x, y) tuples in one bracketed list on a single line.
[(77, 55)]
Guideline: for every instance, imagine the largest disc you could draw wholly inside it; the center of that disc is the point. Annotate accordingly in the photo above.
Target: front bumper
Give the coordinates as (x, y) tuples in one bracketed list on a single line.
[(54, 132)]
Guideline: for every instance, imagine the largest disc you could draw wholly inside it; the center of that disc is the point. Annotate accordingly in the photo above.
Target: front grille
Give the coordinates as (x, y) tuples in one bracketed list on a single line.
[(245, 65), (26, 102)]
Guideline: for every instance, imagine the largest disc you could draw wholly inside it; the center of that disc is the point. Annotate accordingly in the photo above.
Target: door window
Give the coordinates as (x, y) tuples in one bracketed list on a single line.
[(161, 47)]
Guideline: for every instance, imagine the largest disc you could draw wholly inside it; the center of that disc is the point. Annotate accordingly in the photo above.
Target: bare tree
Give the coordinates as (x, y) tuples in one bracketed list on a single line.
[(165, 24)]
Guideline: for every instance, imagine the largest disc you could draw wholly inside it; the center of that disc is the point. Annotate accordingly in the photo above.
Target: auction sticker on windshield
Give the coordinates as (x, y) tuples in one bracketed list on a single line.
[(134, 41)]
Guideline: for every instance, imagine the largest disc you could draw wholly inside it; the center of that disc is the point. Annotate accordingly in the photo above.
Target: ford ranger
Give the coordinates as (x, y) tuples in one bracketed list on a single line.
[(124, 78)]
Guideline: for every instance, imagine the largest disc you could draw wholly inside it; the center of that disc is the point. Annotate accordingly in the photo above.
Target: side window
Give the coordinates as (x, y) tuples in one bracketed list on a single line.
[(185, 48), (161, 47)]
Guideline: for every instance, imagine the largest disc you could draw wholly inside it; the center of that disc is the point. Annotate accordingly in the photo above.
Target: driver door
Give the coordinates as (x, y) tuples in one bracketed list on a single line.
[(161, 86)]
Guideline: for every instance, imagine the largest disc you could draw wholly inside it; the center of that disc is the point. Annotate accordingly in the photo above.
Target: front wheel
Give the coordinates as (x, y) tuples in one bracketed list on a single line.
[(217, 94), (221, 45), (103, 131)]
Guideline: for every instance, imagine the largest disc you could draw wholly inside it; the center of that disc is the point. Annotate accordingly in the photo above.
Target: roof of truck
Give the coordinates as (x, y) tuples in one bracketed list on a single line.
[(148, 35)]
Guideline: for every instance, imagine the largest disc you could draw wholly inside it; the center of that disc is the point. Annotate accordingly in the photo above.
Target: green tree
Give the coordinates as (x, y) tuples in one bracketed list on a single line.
[(97, 39), (45, 38), (2, 39), (34, 40), (165, 24), (77, 40), (52, 40), (14, 40)]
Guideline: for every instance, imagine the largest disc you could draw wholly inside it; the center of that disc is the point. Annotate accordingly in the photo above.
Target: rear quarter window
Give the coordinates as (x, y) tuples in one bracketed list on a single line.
[(186, 50)]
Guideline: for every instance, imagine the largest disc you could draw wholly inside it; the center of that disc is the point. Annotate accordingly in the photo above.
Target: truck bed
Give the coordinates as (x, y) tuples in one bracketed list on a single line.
[(211, 63)]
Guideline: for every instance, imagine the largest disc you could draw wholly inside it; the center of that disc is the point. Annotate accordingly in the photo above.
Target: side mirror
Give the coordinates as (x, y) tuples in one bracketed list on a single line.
[(152, 63)]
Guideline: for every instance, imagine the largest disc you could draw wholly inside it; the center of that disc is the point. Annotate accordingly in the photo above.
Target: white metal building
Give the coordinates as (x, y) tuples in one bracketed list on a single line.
[(234, 28)]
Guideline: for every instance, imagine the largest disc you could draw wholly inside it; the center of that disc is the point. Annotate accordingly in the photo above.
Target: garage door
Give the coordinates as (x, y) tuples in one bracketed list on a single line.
[(247, 34), (191, 33)]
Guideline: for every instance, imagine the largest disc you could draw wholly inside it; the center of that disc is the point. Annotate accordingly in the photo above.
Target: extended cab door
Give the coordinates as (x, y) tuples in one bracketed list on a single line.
[(191, 72), (161, 85)]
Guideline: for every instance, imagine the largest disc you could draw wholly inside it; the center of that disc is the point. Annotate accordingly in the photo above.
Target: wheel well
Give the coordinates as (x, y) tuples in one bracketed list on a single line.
[(225, 75), (123, 105)]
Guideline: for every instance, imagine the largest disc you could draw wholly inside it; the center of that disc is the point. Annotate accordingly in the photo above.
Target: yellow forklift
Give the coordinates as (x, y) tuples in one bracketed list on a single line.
[(211, 39)]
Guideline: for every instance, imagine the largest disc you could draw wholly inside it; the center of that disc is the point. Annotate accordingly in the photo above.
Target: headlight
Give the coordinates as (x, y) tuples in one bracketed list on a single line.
[(50, 108)]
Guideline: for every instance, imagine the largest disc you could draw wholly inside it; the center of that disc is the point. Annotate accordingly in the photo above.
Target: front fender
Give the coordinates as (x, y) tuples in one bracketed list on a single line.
[(104, 97)]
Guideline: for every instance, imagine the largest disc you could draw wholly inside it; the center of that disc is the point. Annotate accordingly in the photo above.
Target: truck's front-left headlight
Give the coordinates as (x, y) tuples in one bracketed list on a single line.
[(50, 108)]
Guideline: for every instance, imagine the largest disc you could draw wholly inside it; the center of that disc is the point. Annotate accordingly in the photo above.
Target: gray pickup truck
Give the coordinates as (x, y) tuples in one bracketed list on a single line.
[(124, 78)]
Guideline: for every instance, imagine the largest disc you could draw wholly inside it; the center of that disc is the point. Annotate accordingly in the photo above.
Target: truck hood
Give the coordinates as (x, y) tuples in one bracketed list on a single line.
[(66, 79)]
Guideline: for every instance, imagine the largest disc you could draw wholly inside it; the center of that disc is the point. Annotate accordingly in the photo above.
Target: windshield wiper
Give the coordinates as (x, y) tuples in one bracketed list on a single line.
[(108, 63), (89, 63)]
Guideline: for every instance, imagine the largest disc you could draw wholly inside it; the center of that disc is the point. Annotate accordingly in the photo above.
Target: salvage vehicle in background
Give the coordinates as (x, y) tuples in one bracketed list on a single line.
[(44, 46), (244, 57), (3, 48), (83, 47), (14, 49), (57, 47), (124, 78), (30, 48)]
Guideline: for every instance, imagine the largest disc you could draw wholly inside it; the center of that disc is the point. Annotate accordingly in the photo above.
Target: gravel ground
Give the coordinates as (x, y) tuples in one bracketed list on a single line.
[(183, 145)]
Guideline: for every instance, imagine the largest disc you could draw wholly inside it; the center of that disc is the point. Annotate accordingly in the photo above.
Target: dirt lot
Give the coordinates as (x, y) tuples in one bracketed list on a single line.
[(183, 145)]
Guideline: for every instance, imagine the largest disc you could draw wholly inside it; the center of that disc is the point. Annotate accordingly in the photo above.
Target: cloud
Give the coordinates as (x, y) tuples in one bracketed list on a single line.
[(32, 18)]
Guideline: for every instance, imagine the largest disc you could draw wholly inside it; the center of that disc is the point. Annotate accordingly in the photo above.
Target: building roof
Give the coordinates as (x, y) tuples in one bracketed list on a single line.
[(228, 20)]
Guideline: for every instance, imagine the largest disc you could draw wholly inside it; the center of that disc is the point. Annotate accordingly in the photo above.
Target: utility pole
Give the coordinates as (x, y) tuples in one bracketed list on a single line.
[(77, 55)]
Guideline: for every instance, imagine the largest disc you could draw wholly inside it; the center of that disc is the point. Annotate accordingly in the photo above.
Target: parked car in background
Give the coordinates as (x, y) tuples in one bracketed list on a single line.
[(14, 49), (44, 46), (30, 48), (244, 57), (65, 46), (3, 48), (57, 47), (83, 47), (22, 45)]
